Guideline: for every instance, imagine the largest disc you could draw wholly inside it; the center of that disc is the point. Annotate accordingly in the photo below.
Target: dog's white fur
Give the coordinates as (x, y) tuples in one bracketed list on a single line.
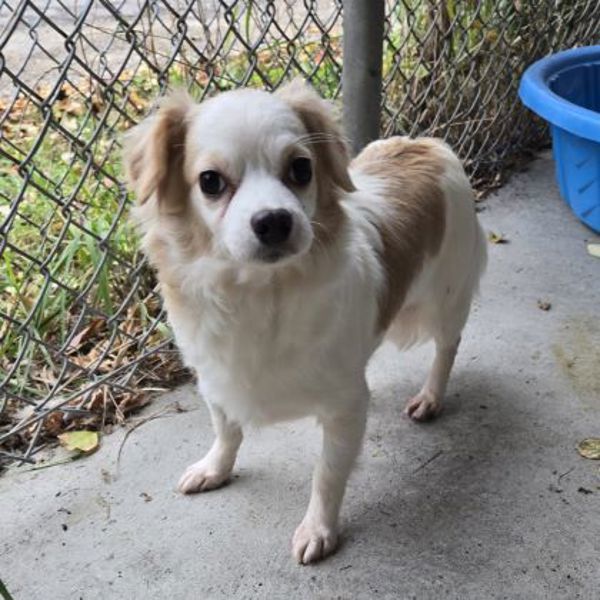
[(289, 339)]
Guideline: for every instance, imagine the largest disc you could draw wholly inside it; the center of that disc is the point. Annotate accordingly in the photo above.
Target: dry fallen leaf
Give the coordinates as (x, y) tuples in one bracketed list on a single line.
[(88, 331), (138, 102), (589, 448), (82, 441), (133, 402), (497, 238), (54, 422), (544, 305), (594, 250)]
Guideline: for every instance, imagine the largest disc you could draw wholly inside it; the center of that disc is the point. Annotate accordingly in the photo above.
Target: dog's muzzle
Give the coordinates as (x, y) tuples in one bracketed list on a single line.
[(272, 227)]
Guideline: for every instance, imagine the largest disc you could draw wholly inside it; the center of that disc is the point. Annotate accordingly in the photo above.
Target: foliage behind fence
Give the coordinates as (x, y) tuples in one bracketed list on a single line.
[(82, 333)]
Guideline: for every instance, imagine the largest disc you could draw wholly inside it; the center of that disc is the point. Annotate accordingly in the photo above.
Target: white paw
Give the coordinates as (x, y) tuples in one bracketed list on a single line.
[(423, 407), (201, 477), (313, 542)]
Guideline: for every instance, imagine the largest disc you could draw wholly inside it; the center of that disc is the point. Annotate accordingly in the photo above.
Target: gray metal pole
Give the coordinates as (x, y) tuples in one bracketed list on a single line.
[(361, 75)]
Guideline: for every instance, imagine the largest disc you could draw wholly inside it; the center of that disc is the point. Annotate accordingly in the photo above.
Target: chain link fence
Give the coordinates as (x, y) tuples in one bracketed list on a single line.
[(83, 339), (452, 70)]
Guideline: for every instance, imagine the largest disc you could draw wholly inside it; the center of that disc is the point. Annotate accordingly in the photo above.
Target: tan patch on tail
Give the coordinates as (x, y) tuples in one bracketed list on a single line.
[(413, 227)]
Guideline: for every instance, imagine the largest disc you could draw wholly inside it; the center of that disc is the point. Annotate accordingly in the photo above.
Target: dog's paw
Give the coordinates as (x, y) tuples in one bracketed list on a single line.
[(423, 407), (201, 477), (313, 542)]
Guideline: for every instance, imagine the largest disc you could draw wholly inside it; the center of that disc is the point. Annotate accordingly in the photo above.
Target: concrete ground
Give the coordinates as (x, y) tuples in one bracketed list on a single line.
[(490, 501)]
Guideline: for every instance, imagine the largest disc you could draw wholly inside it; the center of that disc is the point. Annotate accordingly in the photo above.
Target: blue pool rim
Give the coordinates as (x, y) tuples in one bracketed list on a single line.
[(537, 95)]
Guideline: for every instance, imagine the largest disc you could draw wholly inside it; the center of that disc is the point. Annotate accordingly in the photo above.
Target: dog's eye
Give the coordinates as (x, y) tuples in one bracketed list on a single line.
[(300, 171), (212, 183)]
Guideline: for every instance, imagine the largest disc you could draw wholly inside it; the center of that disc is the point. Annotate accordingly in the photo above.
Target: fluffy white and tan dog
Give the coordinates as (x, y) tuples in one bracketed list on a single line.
[(283, 265)]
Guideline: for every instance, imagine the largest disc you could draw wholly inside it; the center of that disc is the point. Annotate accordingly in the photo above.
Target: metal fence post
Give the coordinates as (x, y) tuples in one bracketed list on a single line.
[(361, 75)]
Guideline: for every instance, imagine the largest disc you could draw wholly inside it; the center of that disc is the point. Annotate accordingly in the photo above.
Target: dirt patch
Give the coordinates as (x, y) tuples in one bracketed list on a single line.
[(577, 353)]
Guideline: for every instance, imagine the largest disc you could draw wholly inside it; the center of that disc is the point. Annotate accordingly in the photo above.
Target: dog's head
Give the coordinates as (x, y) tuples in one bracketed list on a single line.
[(260, 174)]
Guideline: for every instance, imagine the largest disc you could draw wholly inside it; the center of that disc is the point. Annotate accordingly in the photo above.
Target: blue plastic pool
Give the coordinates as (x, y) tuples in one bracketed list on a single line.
[(564, 89)]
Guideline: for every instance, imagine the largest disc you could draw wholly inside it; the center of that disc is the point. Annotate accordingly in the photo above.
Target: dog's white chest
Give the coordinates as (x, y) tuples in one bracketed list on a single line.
[(278, 354)]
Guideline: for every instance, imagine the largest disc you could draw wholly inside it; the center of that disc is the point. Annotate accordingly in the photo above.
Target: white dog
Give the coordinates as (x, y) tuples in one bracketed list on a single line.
[(283, 265)]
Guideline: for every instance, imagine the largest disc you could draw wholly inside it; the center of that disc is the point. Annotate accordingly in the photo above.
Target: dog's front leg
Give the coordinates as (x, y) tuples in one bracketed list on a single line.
[(215, 468), (317, 535)]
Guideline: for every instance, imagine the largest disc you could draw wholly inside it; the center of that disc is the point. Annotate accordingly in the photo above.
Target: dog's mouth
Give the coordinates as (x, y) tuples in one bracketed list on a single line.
[(273, 255)]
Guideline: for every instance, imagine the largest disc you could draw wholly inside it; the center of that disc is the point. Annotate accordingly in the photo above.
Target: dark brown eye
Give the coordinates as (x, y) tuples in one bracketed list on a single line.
[(212, 183), (300, 171)]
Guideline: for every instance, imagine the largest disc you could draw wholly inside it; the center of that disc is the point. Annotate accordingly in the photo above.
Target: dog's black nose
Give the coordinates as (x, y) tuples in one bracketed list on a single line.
[(272, 227)]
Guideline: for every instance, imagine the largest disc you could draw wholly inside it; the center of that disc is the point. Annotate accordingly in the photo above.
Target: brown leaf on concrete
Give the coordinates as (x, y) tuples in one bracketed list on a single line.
[(497, 238), (589, 448)]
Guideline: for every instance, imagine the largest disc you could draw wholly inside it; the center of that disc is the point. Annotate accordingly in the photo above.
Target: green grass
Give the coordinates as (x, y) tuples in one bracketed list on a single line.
[(4, 592), (65, 213)]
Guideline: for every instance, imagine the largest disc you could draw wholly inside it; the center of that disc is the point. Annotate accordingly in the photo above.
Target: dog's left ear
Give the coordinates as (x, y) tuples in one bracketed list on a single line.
[(327, 139)]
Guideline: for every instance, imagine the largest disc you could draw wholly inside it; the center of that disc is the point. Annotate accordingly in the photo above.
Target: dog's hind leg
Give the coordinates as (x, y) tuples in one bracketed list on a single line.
[(446, 329), (428, 402), (215, 468)]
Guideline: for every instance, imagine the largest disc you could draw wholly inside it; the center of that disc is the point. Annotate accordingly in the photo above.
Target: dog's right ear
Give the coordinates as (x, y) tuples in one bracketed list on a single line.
[(155, 151)]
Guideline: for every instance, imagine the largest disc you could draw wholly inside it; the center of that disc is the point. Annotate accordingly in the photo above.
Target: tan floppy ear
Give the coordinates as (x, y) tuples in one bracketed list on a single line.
[(155, 150), (327, 139)]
